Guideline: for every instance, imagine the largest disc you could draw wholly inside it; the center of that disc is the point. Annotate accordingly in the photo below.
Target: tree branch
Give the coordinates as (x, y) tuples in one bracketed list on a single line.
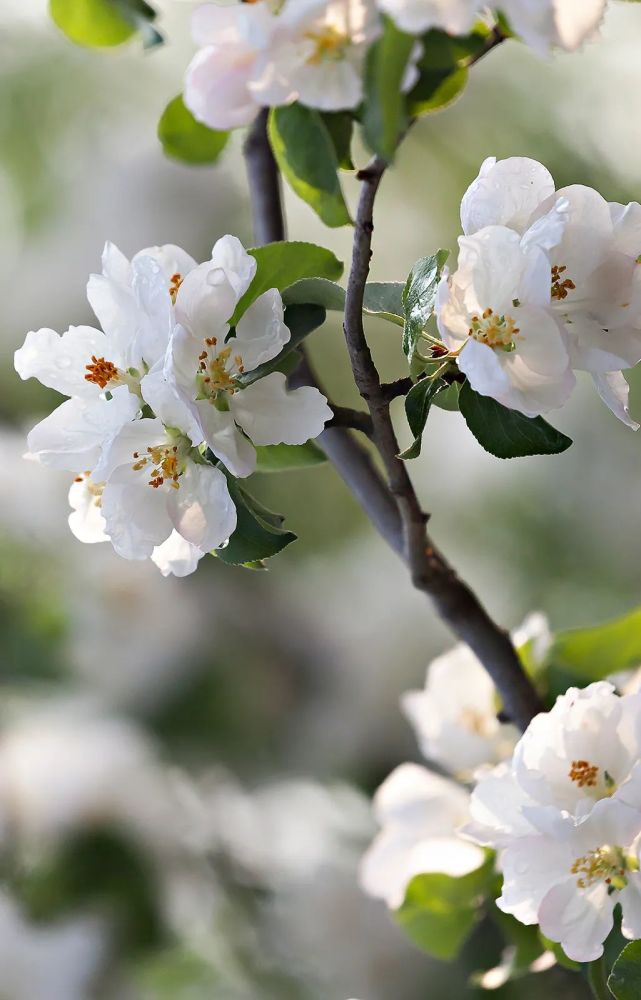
[(393, 508)]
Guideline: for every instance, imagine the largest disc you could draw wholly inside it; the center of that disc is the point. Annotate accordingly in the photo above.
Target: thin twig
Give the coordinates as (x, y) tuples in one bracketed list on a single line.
[(393, 508), (356, 420), (392, 390)]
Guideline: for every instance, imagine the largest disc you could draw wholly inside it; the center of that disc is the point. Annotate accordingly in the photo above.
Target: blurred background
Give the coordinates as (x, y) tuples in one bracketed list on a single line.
[(186, 765)]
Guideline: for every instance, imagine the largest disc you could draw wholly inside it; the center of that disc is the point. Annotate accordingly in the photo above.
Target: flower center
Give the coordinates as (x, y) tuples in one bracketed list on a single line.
[(560, 285), (329, 44), (174, 284), (164, 463), (101, 372), (604, 864), (218, 371), (474, 721), (589, 776), (494, 330), (95, 490)]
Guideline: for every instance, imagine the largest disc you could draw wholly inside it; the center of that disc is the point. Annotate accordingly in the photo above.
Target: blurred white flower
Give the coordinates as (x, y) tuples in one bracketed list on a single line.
[(455, 715), (203, 371), (419, 813), (48, 961), (267, 54), (542, 24), (66, 766), (595, 276), (494, 314)]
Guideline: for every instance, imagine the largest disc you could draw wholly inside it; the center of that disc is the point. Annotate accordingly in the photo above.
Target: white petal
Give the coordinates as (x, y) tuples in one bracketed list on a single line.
[(384, 872), (531, 866), (86, 520), (630, 899), (72, 436), (173, 260), (220, 432), (483, 368), (176, 556), (614, 391), (135, 514), (270, 413), (506, 193), (261, 333), (579, 919), (216, 86), (420, 802), (115, 265), (205, 301), (169, 405), (202, 510), (416, 16), (156, 320), (59, 362), (238, 265), (118, 450)]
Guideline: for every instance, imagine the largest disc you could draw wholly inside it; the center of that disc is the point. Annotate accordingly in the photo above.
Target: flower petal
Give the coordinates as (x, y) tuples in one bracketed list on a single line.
[(60, 362), (270, 413), (202, 510), (506, 193), (261, 333), (225, 440), (176, 556), (614, 391)]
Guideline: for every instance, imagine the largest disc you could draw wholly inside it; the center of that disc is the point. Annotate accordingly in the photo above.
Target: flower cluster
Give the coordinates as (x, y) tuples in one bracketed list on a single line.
[(273, 52), (161, 396), (547, 283), (421, 813), (565, 817)]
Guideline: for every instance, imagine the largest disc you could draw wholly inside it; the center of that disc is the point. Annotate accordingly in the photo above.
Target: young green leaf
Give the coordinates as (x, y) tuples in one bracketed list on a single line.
[(340, 126), (384, 116), (259, 533), (185, 139), (417, 407), (306, 155), (435, 90), (439, 910), (624, 982), (590, 654), (281, 264), (419, 296), (382, 298), (286, 457), (507, 433), (104, 23)]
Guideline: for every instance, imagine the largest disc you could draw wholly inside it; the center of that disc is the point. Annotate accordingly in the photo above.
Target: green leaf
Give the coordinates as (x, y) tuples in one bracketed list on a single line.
[(340, 126), (439, 911), (417, 407), (625, 979), (259, 533), (507, 433), (382, 298), (435, 90), (185, 139), (301, 320), (590, 654), (448, 399), (521, 956), (104, 23), (306, 155), (419, 296), (284, 457), (384, 117), (281, 264)]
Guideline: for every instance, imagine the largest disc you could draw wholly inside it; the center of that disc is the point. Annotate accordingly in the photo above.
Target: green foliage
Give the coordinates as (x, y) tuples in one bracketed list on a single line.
[(176, 974), (417, 407), (281, 264), (285, 457), (384, 116), (419, 296), (105, 23), (507, 433), (439, 911), (523, 948), (306, 154), (624, 981), (340, 126), (259, 533), (443, 70), (382, 298), (590, 654), (101, 870), (435, 91), (185, 139)]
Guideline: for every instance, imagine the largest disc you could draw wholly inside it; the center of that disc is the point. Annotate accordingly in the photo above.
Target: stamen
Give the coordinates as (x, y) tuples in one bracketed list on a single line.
[(494, 330), (175, 282), (101, 372), (584, 773), (329, 44), (561, 286)]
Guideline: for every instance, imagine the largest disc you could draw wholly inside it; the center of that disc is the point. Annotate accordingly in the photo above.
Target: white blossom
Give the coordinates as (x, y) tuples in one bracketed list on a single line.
[(594, 273), (562, 812), (416, 16), (419, 813), (493, 314), (455, 715), (156, 484), (202, 385), (268, 54)]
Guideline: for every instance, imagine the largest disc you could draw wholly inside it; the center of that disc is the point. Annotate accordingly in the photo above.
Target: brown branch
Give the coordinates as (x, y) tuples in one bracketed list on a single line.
[(393, 508), (356, 420)]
